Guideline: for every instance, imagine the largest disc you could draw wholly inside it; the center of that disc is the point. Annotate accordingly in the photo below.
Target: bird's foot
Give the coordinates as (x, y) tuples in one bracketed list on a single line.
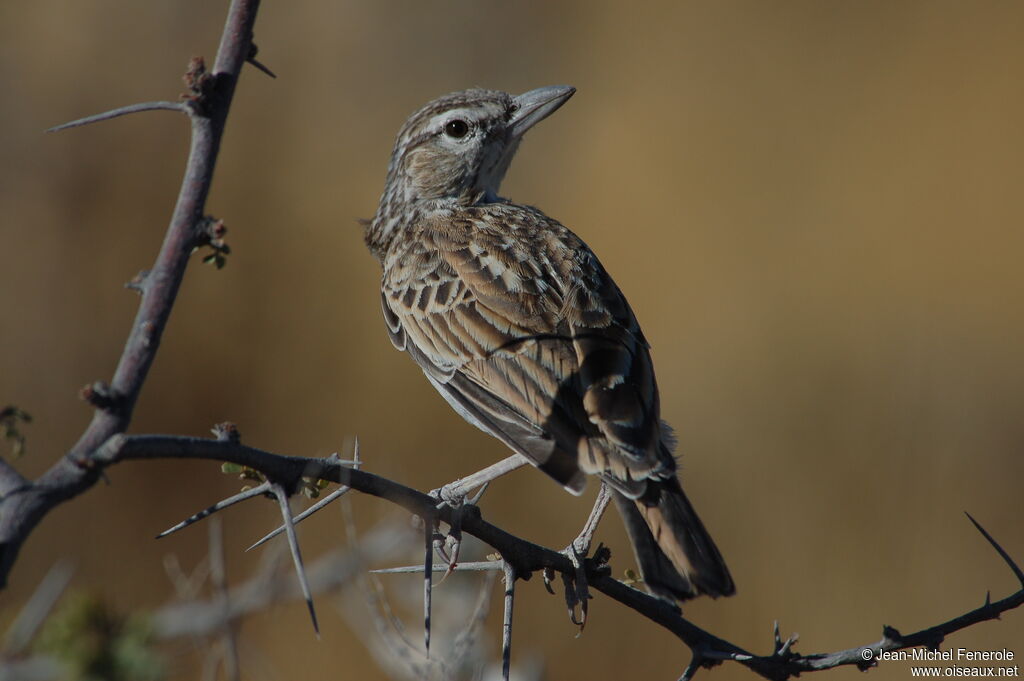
[(447, 545), (576, 584), (577, 592), (455, 495)]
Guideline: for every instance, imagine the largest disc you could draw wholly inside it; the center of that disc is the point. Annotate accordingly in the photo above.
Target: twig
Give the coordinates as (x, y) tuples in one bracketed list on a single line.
[(22, 508), (219, 581), (32, 615)]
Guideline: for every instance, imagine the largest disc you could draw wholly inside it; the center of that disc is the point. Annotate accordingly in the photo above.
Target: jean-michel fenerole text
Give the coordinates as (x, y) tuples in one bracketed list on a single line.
[(952, 655)]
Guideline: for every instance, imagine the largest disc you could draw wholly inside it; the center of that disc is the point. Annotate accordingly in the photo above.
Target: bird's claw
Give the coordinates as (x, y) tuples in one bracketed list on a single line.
[(576, 584), (549, 576), (448, 546), (577, 593)]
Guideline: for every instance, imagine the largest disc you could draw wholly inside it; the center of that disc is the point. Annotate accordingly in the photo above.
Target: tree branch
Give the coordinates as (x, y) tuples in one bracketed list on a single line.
[(22, 507), (525, 557)]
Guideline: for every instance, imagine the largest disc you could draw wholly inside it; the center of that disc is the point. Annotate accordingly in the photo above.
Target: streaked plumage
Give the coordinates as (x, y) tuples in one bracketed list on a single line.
[(516, 323)]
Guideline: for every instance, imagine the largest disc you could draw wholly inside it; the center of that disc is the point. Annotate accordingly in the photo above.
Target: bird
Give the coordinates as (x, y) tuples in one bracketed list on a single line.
[(515, 321)]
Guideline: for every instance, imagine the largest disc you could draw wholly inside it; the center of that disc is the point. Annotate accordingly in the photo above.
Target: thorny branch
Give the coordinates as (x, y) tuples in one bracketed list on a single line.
[(525, 558), (24, 503)]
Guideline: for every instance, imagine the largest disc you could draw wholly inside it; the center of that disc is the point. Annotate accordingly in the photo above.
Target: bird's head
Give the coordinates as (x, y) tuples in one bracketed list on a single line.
[(460, 145)]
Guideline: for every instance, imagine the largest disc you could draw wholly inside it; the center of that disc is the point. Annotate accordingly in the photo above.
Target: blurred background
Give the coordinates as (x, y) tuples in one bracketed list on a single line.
[(814, 208)]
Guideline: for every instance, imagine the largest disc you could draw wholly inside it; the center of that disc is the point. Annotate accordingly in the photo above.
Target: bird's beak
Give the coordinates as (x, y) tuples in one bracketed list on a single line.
[(534, 106)]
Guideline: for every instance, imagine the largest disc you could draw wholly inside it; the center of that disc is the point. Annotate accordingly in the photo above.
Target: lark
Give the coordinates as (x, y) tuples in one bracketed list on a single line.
[(516, 323)]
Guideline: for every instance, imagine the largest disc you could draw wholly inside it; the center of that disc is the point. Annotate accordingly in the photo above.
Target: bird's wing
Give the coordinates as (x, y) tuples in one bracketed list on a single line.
[(517, 324)]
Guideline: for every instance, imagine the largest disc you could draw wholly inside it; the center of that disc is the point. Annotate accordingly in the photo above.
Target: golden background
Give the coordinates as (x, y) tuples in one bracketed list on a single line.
[(815, 209)]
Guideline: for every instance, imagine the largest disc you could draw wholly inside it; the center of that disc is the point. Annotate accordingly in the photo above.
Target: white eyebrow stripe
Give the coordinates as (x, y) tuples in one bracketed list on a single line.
[(438, 121)]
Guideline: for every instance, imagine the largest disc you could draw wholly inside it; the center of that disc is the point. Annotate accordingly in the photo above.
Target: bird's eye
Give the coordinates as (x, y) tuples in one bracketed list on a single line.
[(457, 128)]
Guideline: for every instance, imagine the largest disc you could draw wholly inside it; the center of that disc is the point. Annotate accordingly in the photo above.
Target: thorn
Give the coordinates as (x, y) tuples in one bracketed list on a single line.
[(336, 494), (293, 544), (138, 282), (506, 624), (988, 598), (691, 668), (999, 549), (428, 565), (251, 58), (123, 111), (356, 462), (793, 638), (219, 506), (473, 566)]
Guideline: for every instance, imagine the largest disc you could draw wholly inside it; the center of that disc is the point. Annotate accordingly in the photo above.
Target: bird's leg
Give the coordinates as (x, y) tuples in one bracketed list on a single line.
[(455, 492), (585, 538), (454, 495), (576, 591)]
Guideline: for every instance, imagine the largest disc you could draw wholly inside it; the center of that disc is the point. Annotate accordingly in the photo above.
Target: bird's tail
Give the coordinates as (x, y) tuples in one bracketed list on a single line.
[(677, 557)]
